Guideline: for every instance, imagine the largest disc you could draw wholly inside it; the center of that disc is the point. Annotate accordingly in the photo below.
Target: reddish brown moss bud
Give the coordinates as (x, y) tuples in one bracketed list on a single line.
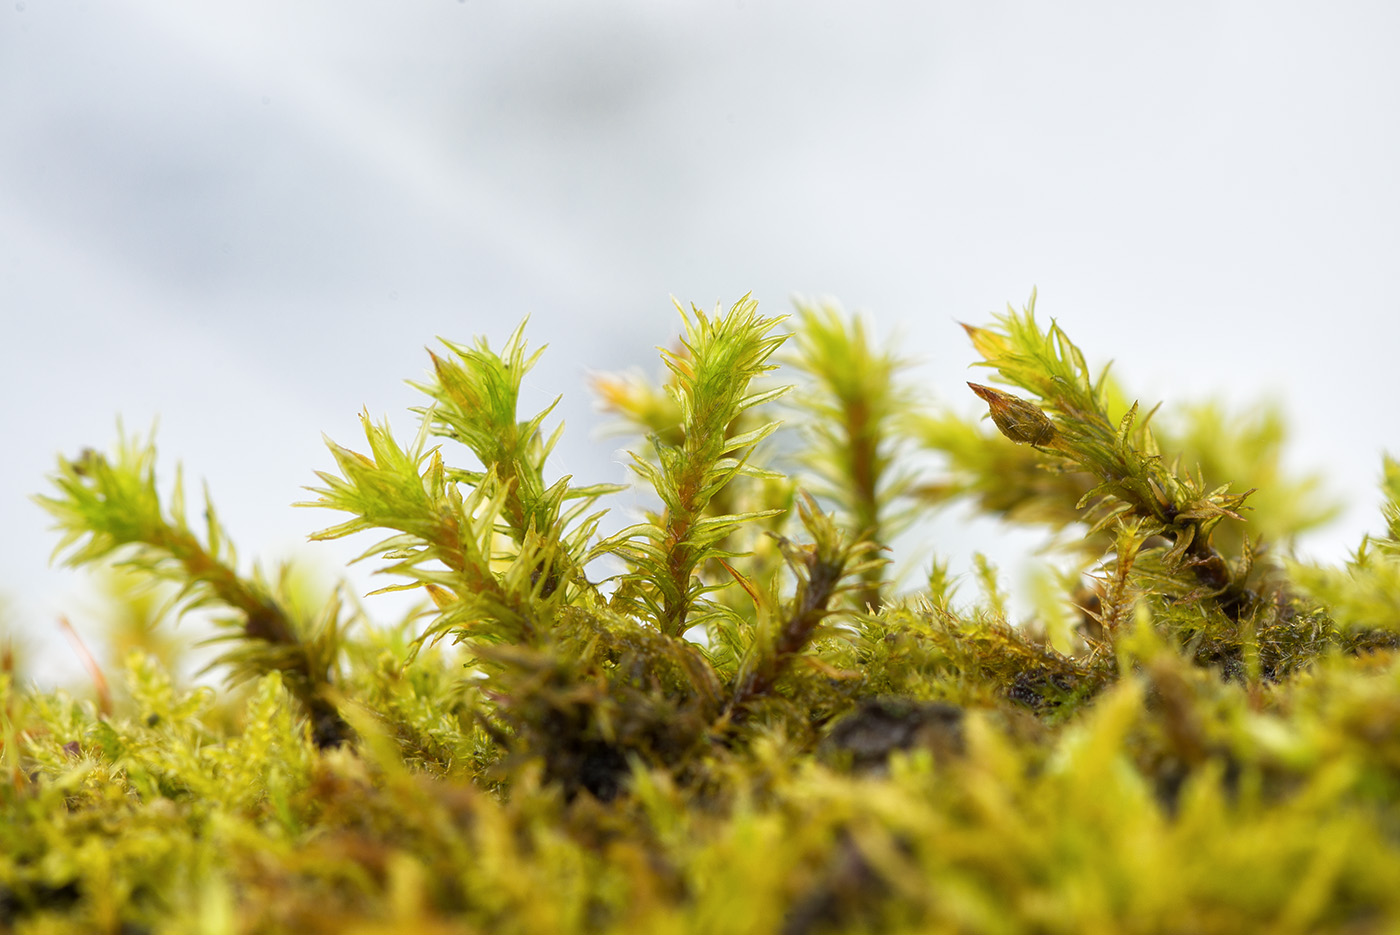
[(1018, 419)]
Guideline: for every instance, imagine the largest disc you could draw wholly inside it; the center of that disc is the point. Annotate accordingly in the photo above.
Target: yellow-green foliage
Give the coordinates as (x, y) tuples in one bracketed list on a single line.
[(747, 730)]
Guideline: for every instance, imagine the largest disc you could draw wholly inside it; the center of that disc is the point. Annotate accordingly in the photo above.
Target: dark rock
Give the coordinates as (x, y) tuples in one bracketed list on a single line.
[(881, 726)]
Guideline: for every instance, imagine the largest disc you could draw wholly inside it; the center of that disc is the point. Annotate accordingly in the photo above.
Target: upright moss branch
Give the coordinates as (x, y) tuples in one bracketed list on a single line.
[(476, 394), (822, 570), (443, 541), (853, 411), (109, 507), (1071, 419), (722, 356)]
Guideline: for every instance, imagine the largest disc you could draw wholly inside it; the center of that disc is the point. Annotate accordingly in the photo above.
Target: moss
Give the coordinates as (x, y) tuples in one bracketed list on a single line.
[(748, 729)]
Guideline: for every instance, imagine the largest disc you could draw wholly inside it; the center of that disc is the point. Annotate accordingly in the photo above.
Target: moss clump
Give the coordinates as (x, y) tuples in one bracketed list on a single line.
[(746, 728)]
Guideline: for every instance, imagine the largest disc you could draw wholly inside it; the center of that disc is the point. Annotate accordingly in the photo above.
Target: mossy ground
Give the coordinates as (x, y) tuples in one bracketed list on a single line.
[(749, 729)]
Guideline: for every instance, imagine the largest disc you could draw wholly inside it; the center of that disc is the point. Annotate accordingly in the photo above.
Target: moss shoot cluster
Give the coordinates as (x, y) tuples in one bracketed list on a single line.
[(725, 717)]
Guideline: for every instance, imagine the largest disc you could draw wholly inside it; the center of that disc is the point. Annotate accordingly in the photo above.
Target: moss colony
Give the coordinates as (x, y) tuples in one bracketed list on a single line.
[(725, 718)]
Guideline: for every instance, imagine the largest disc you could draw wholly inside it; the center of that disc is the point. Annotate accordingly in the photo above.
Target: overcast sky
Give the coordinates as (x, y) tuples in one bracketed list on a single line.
[(249, 219)]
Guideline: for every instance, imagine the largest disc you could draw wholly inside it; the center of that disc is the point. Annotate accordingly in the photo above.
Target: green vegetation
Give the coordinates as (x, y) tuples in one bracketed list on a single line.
[(726, 717)]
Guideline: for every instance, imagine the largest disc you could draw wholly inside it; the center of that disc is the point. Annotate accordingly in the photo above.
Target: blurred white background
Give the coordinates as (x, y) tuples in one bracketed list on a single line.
[(248, 219)]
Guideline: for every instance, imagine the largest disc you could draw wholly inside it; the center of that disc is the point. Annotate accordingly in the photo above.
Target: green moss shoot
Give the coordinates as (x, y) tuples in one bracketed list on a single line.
[(748, 728)]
